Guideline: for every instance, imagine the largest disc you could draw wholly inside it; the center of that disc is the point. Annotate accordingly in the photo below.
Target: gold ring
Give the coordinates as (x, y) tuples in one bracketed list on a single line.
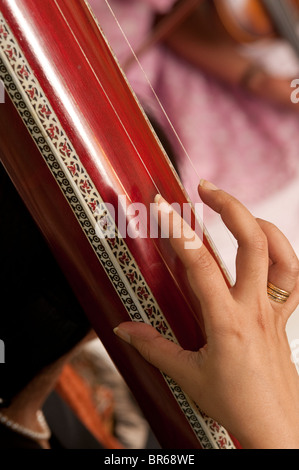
[(276, 294)]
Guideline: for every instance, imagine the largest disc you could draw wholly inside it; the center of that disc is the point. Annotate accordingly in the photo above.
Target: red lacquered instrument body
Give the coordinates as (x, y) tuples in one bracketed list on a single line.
[(73, 139)]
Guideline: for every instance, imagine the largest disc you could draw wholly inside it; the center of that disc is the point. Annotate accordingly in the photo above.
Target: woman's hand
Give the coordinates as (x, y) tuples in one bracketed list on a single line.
[(244, 377)]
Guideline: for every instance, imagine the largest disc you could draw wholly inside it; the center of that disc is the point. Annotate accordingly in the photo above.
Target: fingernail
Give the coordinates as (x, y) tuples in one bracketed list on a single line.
[(163, 205), (157, 199), (122, 334), (207, 185)]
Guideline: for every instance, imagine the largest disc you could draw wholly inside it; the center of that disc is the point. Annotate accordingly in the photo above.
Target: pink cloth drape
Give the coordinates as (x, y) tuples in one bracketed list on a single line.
[(234, 139)]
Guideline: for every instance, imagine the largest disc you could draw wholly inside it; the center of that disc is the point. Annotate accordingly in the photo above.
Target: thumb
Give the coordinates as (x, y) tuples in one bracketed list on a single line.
[(167, 356)]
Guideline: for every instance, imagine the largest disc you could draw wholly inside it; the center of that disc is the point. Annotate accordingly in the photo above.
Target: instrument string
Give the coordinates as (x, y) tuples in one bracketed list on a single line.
[(163, 110), (108, 99), (151, 88)]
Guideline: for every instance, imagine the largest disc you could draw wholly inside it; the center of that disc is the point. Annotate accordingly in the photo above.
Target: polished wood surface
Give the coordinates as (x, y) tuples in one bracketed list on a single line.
[(105, 127)]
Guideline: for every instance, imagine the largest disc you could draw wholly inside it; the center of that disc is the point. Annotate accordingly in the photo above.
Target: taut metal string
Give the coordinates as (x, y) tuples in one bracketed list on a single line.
[(134, 54), (153, 40)]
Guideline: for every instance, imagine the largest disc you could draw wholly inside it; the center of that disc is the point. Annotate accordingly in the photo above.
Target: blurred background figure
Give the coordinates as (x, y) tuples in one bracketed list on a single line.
[(230, 104), (121, 417), (222, 71)]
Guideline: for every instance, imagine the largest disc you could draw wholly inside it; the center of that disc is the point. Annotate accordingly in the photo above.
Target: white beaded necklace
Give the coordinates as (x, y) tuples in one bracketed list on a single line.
[(37, 436)]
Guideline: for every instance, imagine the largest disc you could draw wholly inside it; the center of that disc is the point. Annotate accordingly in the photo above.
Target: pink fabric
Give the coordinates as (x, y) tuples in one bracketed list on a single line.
[(161, 5), (235, 140)]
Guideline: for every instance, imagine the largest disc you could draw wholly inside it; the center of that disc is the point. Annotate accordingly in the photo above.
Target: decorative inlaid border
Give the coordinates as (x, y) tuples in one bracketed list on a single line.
[(92, 215)]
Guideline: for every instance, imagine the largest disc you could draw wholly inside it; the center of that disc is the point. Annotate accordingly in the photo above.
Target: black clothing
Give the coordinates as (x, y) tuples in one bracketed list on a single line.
[(40, 318), (12, 440)]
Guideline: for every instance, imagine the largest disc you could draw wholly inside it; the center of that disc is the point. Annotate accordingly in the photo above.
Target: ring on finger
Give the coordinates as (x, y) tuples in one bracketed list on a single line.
[(276, 294)]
